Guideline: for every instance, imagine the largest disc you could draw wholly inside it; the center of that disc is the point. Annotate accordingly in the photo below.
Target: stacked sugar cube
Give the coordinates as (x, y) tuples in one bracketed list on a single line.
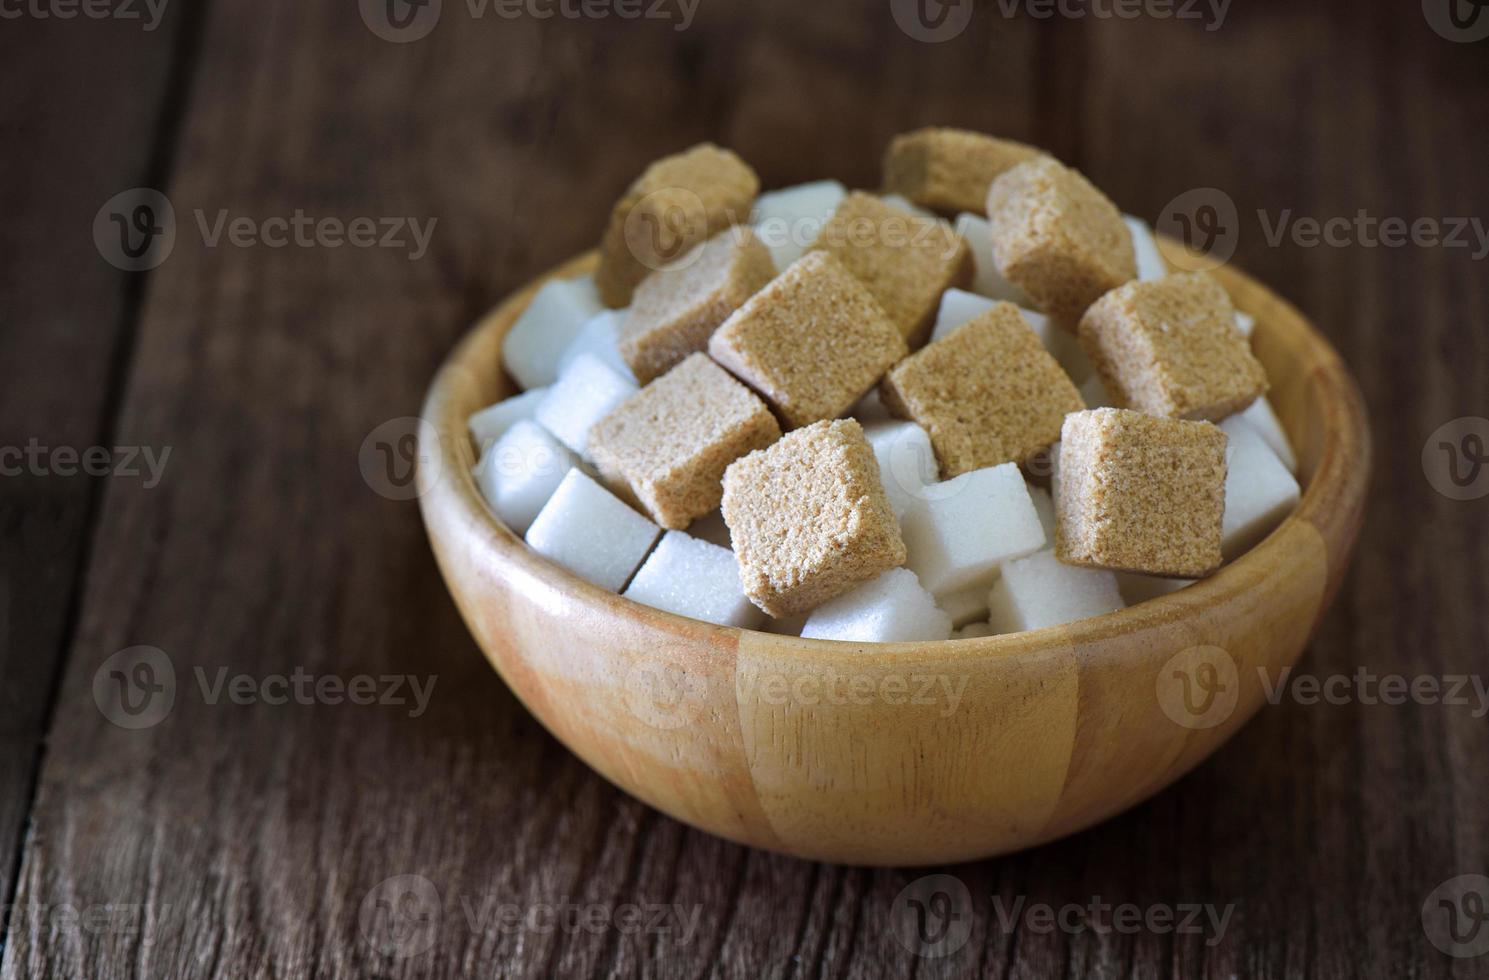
[(976, 403)]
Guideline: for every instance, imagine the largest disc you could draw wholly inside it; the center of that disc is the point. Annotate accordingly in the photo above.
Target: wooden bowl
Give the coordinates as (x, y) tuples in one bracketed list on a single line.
[(907, 753)]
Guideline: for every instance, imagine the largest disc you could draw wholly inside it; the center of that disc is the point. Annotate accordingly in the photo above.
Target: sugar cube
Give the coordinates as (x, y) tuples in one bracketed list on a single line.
[(907, 463), (811, 342), (1259, 489), (788, 220), (1137, 588), (1246, 323), (589, 531), (1044, 506), (959, 534), (711, 528), (1150, 262), (1040, 591), (492, 422), (557, 313), (958, 306), (667, 447), (675, 311), (1058, 238), (520, 471), (988, 393), (1094, 393), (588, 391), (1170, 348), (891, 608), (678, 202), (986, 279), (1140, 493), (600, 337), (973, 631), (966, 606), (901, 203), (809, 518), (690, 577), (1264, 420), (869, 409), (949, 169)]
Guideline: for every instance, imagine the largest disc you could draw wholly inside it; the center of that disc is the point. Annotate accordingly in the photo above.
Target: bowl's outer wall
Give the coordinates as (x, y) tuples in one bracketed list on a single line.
[(904, 754)]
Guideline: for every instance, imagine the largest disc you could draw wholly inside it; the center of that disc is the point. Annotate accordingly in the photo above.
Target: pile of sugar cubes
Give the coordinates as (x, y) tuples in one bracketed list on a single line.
[(976, 404)]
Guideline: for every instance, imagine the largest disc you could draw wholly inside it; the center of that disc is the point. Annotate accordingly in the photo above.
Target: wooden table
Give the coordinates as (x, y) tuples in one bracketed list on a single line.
[(251, 839)]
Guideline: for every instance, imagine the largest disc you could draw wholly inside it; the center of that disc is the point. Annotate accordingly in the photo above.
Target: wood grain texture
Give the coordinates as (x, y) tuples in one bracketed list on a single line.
[(252, 834)]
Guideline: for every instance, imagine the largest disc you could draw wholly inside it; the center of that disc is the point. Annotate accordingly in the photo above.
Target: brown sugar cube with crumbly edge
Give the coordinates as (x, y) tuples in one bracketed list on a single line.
[(1170, 347), (675, 311), (907, 262), (667, 446), (812, 341), (677, 203), (1139, 493), (988, 393), (1058, 238), (950, 170), (809, 519)]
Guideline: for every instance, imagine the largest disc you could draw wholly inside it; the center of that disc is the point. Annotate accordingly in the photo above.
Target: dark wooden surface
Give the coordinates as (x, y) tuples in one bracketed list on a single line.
[(244, 840)]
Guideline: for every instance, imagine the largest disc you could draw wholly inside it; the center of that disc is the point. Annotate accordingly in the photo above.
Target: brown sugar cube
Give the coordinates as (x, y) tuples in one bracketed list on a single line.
[(949, 170), (677, 203), (987, 393), (1139, 493), (812, 341), (675, 311), (907, 262), (1058, 238), (1170, 347), (667, 446), (809, 518)]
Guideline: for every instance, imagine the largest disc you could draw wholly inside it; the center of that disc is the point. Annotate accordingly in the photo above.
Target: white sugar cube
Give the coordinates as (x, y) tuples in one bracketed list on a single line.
[(963, 529), (790, 626), (492, 422), (1267, 425), (972, 631), (1044, 506), (711, 528), (966, 606), (1041, 590), (1246, 323), (1137, 588), (690, 577), (903, 203), (600, 336), (588, 530), (787, 221), (957, 307), (1150, 262), (907, 463), (557, 313), (520, 471), (891, 608), (1259, 490), (587, 392), (869, 408), (1066, 349), (1094, 393), (986, 279)]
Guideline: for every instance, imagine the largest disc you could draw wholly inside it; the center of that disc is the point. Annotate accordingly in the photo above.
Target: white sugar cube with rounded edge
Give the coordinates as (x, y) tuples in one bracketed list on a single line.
[(1044, 506), (520, 472), (972, 631), (966, 606), (787, 221), (1137, 588), (492, 422), (1266, 423), (1259, 490), (1094, 393), (558, 311), (711, 528), (1246, 323), (600, 336), (869, 408), (1041, 590), (986, 279), (693, 578), (963, 529), (587, 392), (588, 530), (890, 608), (1150, 262), (903, 203), (907, 463)]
